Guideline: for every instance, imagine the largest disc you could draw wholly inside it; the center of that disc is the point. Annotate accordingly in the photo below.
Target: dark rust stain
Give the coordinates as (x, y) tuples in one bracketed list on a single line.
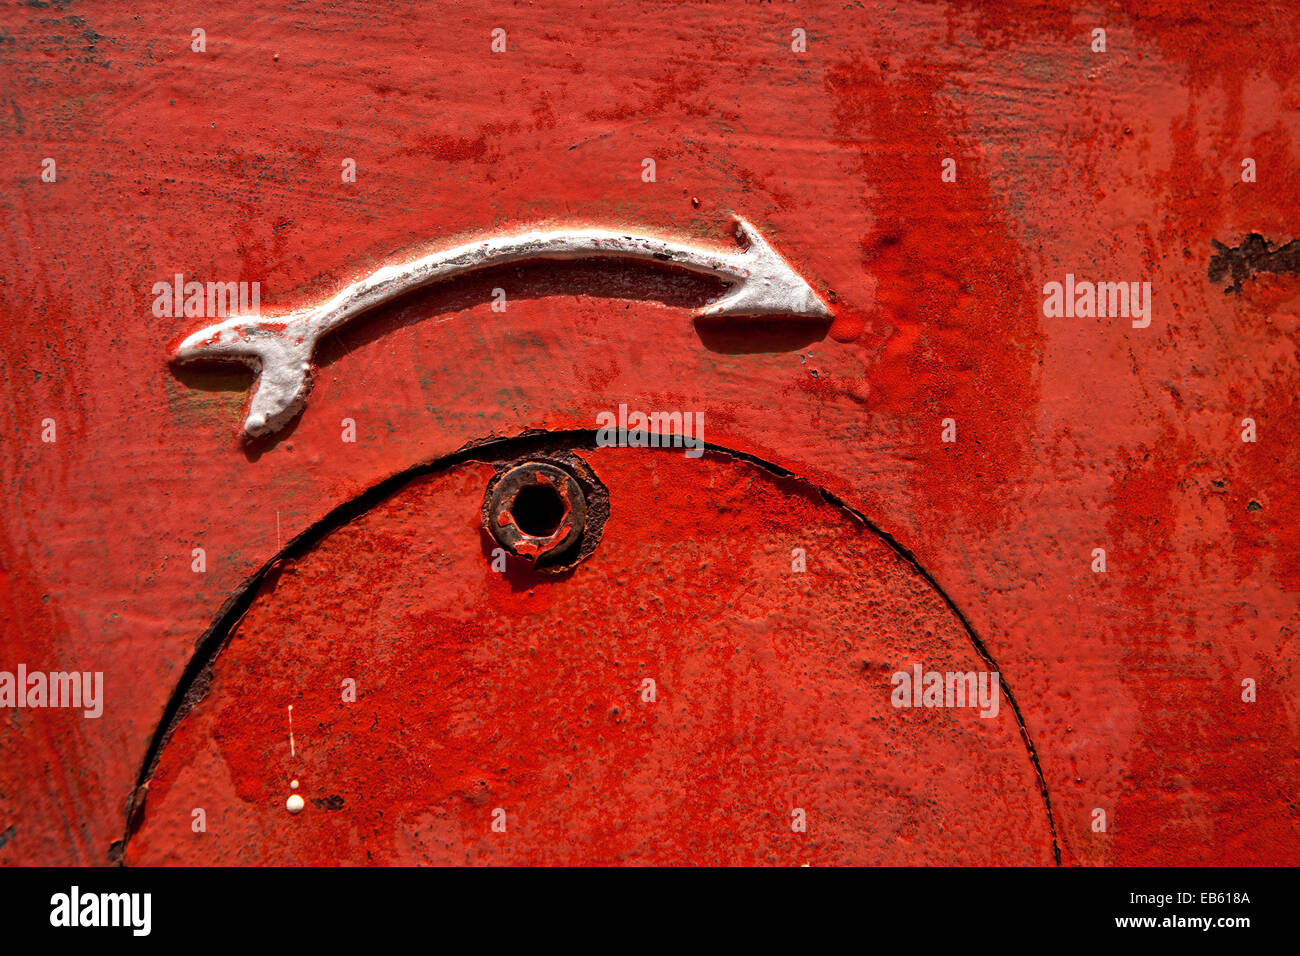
[(1255, 254)]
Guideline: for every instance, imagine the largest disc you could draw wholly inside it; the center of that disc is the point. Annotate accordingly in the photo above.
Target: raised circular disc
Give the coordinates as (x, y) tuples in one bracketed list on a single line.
[(484, 698)]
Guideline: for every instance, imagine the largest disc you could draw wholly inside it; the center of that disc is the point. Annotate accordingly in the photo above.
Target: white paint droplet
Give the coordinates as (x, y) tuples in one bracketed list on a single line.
[(295, 803)]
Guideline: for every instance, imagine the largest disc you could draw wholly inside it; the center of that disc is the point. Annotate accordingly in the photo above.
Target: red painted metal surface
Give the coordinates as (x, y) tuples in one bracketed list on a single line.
[(1073, 433), (525, 696)]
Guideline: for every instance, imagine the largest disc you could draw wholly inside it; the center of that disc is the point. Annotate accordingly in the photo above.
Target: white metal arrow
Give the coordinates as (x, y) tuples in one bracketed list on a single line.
[(281, 346)]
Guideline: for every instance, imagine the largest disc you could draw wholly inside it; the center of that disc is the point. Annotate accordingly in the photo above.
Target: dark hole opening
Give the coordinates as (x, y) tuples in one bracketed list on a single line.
[(538, 510)]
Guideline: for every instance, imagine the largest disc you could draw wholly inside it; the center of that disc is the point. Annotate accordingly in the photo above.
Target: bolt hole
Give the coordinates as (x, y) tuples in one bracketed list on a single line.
[(538, 510)]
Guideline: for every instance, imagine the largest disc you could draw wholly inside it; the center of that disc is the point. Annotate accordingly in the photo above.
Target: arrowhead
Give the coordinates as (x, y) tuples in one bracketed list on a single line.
[(766, 284)]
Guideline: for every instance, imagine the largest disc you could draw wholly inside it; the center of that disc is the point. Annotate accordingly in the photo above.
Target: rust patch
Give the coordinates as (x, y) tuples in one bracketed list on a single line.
[(1255, 254)]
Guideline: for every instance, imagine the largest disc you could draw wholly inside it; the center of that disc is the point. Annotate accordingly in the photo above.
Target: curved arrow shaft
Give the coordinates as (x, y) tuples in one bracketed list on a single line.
[(392, 281), (281, 346)]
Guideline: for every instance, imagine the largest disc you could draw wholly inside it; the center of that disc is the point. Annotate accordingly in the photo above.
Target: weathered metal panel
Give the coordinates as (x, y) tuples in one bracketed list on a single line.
[(1073, 432)]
